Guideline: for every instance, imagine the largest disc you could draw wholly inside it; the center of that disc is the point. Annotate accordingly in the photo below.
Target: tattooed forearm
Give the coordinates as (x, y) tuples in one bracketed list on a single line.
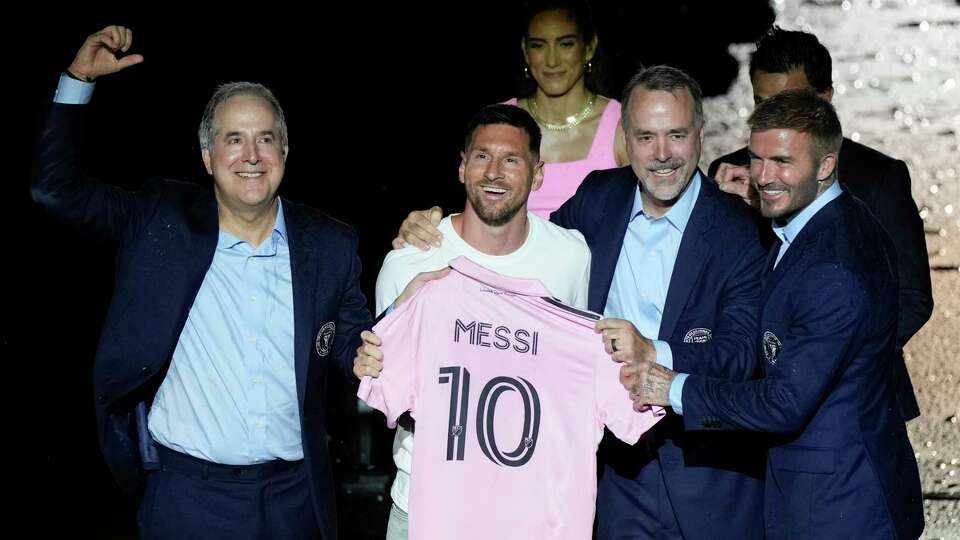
[(653, 386)]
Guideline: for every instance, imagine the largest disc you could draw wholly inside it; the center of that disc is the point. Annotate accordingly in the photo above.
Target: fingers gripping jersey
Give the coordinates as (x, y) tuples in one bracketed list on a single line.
[(510, 390)]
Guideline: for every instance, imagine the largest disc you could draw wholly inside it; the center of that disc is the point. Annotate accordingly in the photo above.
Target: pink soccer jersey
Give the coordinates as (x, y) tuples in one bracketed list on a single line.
[(510, 391)]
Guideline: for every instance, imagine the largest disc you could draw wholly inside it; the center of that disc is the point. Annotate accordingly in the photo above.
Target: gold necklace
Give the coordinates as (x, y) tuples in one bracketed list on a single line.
[(571, 121)]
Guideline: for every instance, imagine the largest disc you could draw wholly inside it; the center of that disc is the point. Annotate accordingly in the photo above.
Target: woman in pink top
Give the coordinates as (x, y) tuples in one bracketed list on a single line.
[(581, 128)]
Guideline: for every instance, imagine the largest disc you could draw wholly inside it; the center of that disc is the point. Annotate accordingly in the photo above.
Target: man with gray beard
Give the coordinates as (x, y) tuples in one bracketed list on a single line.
[(839, 462)]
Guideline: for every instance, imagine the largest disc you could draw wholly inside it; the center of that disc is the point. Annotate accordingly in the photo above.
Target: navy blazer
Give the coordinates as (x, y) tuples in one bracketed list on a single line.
[(842, 466), (883, 184), (165, 236), (710, 320)]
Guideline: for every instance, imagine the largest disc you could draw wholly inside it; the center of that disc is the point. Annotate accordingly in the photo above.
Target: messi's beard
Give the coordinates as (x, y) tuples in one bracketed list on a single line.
[(494, 215)]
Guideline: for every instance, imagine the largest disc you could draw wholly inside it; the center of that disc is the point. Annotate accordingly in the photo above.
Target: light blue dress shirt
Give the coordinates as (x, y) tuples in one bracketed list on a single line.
[(638, 292), (787, 234), (73, 92), (230, 395)]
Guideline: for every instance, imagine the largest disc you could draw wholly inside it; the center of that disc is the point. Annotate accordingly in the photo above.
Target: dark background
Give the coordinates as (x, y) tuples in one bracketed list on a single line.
[(376, 100)]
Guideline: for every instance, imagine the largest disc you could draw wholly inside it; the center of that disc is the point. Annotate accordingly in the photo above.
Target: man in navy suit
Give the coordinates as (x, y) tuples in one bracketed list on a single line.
[(840, 464), (679, 262), (791, 60), (232, 310)]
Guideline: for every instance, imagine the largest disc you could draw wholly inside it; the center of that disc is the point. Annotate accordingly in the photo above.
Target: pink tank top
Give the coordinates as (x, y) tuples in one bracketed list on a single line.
[(561, 180)]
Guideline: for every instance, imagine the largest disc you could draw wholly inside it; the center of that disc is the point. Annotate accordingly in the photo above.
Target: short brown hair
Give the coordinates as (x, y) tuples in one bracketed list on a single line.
[(803, 111)]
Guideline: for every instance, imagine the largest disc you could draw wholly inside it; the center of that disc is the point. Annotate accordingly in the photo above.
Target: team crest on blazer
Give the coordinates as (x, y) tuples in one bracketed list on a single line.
[(325, 338), (698, 335), (771, 346)]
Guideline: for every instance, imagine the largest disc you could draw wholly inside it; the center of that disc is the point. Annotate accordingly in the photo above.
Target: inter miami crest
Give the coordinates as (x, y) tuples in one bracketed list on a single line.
[(771, 346), (325, 338), (698, 335)]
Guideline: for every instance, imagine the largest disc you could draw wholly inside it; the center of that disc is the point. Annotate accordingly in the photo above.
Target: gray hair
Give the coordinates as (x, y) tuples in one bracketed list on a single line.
[(667, 79), (223, 93)]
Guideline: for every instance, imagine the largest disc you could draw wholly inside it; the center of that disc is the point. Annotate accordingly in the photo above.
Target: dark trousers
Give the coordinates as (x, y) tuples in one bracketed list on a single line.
[(191, 498), (635, 508)]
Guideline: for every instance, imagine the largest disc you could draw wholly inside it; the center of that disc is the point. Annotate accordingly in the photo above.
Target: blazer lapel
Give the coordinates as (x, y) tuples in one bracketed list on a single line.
[(691, 259), (204, 222), (809, 234), (614, 217), (771, 259), (790, 257), (303, 269)]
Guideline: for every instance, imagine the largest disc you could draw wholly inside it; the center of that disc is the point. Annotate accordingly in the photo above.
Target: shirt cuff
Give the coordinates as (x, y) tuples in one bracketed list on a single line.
[(73, 92), (664, 353), (676, 392)]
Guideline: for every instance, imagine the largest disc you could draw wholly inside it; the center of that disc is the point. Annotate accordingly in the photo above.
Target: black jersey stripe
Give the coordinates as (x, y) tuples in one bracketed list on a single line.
[(585, 314)]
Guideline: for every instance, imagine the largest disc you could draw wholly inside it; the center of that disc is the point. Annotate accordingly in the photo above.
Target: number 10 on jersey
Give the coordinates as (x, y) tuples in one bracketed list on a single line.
[(459, 380)]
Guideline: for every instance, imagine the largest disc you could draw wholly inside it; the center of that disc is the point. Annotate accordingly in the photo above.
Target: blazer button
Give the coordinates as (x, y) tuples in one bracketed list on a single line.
[(102, 399), (146, 370)]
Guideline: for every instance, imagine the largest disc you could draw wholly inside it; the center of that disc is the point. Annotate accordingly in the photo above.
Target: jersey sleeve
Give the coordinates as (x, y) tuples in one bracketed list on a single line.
[(614, 407), (394, 392)]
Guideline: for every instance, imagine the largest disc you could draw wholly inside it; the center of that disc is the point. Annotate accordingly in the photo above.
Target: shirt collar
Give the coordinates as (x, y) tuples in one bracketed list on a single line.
[(679, 213), (787, 233), (226, 240), (528, 287)]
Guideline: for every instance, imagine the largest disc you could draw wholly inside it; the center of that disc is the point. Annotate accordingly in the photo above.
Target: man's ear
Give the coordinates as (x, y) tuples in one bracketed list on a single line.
[(205, 156), (828, 164)]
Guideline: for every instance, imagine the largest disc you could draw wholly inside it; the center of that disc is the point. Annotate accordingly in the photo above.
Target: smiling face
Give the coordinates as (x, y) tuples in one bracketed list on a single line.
[(785, 171), (246, 158), (663, 143), (499, 171), (556, 52)]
